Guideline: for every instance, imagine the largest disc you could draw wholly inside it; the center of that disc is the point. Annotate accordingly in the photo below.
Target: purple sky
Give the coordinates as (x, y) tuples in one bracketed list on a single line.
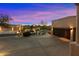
[(34, 13)]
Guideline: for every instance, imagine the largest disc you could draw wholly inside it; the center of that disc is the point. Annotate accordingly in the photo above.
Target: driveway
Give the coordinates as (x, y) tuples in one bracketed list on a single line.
[(36, 45)]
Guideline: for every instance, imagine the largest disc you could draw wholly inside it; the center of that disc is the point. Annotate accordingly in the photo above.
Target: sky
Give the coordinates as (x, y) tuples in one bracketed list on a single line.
[(34, 13)]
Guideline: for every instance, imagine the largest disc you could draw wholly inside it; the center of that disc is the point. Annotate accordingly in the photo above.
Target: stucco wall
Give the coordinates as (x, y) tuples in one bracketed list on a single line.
[(65, 22)]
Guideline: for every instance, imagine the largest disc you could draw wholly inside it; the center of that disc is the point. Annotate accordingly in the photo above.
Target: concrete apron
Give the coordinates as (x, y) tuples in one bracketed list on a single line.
[(74, 49)]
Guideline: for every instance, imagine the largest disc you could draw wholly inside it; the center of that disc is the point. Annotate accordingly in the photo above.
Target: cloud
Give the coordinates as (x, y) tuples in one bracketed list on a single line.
[(38, 16)]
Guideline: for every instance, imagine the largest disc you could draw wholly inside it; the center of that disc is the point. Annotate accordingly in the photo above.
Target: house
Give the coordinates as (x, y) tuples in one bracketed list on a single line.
[(8, 29), (64, 26)]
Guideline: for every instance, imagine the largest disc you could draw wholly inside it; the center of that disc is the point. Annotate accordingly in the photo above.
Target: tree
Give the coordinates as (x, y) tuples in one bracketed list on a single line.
[(4, 20)]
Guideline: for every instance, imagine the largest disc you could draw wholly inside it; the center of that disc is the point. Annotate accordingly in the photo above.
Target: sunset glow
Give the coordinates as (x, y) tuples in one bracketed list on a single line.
[(34, 13)]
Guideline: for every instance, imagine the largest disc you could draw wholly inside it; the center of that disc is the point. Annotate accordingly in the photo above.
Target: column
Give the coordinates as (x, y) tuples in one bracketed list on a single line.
[(77, 24), (74, 46)]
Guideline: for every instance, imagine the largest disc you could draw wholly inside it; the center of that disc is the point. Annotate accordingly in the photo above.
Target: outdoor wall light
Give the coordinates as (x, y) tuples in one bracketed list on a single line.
[(71, 33), (0, 28), (12, 28)]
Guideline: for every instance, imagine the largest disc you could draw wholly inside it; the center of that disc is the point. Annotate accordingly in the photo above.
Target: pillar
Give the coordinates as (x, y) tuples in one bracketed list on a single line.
[(77, 24), (74, 46)]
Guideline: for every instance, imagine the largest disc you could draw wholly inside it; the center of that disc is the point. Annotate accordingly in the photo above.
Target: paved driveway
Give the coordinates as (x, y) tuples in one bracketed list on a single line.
[(43, 45)]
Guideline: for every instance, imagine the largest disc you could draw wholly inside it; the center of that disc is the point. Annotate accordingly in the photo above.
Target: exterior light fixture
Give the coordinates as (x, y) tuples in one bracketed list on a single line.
[(71, 33), (0, 29), (12, 28)]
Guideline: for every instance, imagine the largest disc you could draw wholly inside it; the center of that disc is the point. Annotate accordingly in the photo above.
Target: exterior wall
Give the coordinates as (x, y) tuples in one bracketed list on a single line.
[(2, 29), (65, 22), (8, 30)]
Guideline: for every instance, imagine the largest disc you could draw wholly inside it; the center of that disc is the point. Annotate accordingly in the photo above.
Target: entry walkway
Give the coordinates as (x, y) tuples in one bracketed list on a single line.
[(42, 45)]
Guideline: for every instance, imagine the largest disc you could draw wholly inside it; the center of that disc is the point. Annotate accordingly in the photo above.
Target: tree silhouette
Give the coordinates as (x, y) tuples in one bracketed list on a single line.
[(4, 20)]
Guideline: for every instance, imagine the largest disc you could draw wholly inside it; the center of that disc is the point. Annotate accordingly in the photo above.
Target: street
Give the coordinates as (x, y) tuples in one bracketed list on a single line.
[(36, 45)]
